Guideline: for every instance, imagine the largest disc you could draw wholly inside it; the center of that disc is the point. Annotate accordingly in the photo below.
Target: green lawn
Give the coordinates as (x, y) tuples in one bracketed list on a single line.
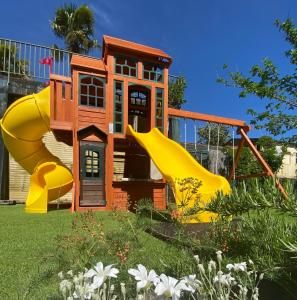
[(25, 240), (27, 251)]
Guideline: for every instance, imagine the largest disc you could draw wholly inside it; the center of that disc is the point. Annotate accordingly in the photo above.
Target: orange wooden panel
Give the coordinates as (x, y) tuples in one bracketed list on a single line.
[(52, 100), (153, 108), (60, 78), (165, 105), (132, 80), (93, 138), (62, 125), (59, 111), (85, 62), (69, 102), (126, 106)]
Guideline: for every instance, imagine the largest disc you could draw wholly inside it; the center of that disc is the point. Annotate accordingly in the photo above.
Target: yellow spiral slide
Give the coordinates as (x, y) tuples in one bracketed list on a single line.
[(175, 163), (23, 126)]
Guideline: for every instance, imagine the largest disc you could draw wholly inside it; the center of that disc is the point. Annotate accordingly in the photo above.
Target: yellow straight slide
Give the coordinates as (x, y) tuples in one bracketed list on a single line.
[(23, 126), (175, 163)]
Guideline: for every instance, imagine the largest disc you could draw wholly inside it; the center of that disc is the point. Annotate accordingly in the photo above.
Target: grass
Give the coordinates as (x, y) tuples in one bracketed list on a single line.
[(28, 246), (25, 241)]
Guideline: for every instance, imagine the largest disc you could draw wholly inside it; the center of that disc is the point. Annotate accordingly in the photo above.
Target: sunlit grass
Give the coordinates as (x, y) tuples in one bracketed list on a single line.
[(28, 268)]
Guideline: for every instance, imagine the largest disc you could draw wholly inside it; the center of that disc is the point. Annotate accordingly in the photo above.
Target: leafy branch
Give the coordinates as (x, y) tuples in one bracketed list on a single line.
[(266, 82), (256, 196)]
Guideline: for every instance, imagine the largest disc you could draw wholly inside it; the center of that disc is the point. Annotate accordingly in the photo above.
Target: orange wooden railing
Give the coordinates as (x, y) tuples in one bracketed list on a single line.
[(61, 102)]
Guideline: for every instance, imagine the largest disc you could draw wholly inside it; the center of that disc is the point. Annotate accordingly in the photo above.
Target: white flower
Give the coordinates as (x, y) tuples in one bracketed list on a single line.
[(83, 292), (212, 266), (237, 267), (223, 279), (170, 287), (196, 257), (61, 275), (70, 273), (201, 268), (219, 255), (123, 288), (256, 294), (99, 274), (192, 282), (144, 278), (78, 279), (65, 285)]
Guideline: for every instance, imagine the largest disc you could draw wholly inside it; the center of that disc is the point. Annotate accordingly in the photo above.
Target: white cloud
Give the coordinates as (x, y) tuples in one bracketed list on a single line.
[(103, 18)]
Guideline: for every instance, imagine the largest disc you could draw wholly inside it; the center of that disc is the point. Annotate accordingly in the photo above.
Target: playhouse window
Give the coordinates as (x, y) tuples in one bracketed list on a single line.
[(138, 98), (152, 72), (92, 164), (92, 91), (118, 106), (159, 108), (126, 66)]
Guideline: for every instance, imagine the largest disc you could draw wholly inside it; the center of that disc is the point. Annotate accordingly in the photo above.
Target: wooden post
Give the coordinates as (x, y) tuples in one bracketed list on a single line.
[(165, 102), (261, 160), (236, 160), (153, 108)]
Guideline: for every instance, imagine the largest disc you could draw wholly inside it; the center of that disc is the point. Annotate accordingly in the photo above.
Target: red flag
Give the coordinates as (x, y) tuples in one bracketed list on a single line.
[(47, 61)]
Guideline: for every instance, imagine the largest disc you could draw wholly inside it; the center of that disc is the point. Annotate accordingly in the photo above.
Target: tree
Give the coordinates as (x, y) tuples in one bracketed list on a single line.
[(10, 62), (76, 26), (176, 92), (280, 91), (248, 163), (176, 98), (214, 134)]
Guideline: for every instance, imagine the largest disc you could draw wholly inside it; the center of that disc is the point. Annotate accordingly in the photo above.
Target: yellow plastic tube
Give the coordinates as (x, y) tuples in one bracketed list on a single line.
[(23, 126), (175, 163)]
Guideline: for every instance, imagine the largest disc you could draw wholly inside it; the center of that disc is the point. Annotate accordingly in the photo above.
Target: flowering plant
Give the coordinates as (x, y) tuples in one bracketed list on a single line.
[(235, 281)]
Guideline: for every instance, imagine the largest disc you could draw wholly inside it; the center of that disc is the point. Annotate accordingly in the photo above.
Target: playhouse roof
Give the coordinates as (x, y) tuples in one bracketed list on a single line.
[(119, 43), (90, 62)]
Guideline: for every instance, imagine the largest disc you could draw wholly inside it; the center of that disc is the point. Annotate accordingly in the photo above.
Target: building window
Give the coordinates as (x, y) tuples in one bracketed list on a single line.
[(118, 106), (152, 72), (91, 90), (125, 66), (159, 109)]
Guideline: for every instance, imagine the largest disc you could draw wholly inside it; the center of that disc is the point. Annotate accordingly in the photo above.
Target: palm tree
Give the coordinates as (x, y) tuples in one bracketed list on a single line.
[(76, 26)]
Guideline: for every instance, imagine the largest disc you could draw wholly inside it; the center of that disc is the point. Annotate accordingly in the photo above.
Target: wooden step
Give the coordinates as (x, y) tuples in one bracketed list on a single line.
[(7, 202)]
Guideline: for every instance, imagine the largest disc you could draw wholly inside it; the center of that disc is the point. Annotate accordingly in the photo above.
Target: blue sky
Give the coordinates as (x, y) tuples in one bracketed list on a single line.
[(200, 36)]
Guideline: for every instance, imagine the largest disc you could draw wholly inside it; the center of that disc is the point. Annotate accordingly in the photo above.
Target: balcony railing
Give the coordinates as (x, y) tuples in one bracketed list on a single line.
[(29, 61)]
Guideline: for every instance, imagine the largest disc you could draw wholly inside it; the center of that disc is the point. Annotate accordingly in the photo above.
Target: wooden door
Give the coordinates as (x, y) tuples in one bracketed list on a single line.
[(92, 173)]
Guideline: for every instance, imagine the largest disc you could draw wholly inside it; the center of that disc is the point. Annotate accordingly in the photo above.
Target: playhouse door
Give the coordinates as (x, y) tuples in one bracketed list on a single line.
[(92, 188)]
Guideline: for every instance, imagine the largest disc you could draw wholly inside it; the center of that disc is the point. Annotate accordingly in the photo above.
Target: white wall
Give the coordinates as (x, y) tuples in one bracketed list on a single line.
[(289, 167), (19, 179)]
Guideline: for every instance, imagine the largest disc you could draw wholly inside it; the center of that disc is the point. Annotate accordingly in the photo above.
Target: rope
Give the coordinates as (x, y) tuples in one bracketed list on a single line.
[(233, 153), (218, 141), (209, 129), (185, 133), (195, 135)]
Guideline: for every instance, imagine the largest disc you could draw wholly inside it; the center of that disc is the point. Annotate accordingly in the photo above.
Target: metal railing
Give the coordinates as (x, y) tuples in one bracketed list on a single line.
[(28, 61)]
